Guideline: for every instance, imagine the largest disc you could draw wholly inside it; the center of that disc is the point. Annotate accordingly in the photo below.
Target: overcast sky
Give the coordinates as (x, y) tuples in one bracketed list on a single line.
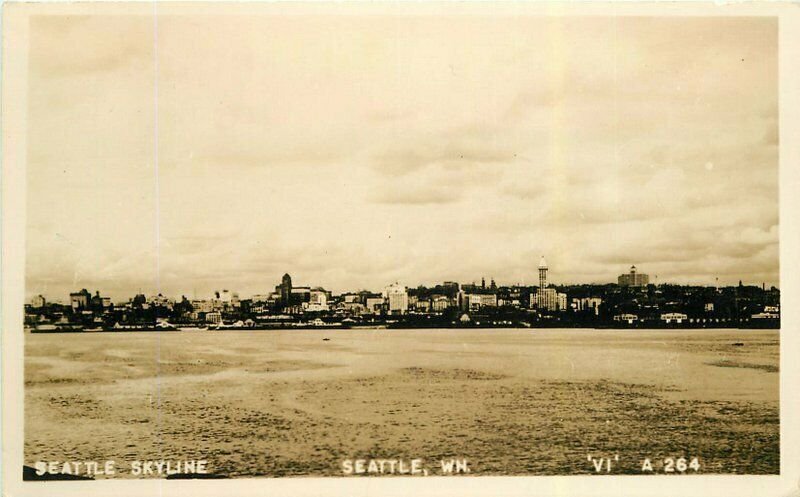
[(352, 152)]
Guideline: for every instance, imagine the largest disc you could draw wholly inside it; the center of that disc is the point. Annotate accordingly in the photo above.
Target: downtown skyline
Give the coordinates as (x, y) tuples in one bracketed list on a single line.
[(454, 149), (485, 282)]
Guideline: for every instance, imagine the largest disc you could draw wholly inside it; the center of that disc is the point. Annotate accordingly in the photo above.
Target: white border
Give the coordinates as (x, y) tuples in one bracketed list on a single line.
[(14, 93)]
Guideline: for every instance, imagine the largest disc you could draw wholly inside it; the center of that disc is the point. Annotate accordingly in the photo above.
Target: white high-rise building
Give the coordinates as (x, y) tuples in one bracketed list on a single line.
[(548, 298), (397, 297), (544, 299), (542, 274)]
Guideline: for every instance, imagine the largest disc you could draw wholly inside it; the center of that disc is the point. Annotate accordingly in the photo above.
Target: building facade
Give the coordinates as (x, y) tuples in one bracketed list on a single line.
[(547, 298), (588, 303), (373, 305), (285, 290), (474, 301), (38, 302), (79, 300), (674, 317), (633, 279), (397, 298), (550, 300)]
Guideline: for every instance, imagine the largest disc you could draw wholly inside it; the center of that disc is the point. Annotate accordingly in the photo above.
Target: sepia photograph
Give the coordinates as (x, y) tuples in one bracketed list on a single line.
[(349, 242)]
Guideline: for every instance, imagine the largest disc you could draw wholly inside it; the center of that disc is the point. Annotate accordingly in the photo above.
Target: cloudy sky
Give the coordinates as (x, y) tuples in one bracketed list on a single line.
[(201, 153)]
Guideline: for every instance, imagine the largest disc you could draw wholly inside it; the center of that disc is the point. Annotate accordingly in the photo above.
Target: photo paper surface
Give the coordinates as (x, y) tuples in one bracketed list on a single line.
[(399, 249)]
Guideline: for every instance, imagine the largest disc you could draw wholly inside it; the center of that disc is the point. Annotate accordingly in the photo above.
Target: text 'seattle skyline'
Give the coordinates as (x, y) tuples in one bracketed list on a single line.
[(198, 153)]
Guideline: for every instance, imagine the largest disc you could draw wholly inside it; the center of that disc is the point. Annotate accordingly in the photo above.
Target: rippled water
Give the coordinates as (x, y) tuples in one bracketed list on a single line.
[(280, 403)]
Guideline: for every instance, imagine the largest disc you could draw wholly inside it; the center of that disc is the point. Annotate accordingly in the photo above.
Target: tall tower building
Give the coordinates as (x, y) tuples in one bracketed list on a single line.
[(548, 298), (542, 274), (286, 290)]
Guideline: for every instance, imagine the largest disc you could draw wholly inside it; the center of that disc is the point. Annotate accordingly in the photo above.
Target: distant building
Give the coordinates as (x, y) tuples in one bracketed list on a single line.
[(353, 307), (318, 300), (96, 302), (300, 294), (474, 301), (351, 298), (627, 318), (674, 317), (38, 302), (543, 299), (373, 305), (550, 300), (766, 315), (160, 301), (80, 300), (214, 317), (542, 274), (588, 303), (440, 303), (451, 287), (397, 297), (633, 279), (225, 300), (285, 290), (423, 305), (709, 307), (202, 305)]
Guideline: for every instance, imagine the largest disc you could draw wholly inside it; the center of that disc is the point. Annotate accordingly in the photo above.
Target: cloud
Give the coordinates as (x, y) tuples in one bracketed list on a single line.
[(456, 148), (81, 46), (431, 195)]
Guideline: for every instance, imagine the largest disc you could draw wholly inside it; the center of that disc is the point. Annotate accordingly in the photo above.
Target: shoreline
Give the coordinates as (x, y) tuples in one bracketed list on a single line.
[(398, 328)]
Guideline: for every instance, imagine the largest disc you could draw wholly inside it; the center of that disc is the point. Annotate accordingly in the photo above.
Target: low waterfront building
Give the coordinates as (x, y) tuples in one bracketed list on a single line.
[(674, 317), (626, 318), (766, 315)]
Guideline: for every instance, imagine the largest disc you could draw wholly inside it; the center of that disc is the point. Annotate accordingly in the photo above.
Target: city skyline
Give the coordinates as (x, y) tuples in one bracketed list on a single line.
[(456, 148), (489, 284)]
